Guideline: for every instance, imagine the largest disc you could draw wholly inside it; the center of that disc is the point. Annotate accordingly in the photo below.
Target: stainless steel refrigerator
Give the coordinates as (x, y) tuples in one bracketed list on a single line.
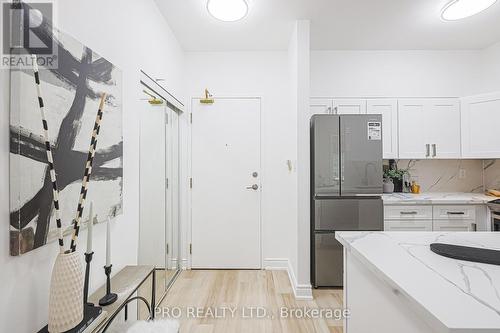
[(346, 187)]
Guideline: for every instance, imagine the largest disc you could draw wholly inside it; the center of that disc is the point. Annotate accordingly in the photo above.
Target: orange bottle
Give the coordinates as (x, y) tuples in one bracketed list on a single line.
[(415, 188)]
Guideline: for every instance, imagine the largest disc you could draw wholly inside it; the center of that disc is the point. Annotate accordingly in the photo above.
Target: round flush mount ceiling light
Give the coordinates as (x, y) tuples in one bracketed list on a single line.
[(459, 9), (228, 10)]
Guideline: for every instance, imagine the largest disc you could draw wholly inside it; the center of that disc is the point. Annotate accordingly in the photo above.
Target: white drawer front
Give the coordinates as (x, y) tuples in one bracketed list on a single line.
[(397, 212), (454, 212), (454, 225), (407, 225)]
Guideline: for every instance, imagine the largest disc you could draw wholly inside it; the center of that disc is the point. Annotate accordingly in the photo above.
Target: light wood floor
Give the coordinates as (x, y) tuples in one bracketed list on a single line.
[(242, 289), (163, 277)]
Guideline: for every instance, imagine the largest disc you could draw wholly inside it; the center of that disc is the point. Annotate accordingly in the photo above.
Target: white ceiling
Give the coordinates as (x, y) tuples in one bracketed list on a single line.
[(335, 25)]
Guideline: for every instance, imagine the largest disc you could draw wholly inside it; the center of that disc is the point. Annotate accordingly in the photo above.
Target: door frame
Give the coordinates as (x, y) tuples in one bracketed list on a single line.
[(189, 203)]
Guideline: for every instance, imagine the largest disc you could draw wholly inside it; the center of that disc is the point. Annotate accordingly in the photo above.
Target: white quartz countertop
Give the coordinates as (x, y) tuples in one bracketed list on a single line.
[(450, 295), (436, 198)]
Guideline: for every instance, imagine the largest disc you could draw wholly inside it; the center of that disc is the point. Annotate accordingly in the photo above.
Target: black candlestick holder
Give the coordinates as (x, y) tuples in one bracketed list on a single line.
[(88, 259), (110, 297)]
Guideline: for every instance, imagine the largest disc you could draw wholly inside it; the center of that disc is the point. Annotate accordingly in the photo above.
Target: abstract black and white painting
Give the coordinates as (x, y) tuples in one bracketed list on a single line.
[(71, 93)]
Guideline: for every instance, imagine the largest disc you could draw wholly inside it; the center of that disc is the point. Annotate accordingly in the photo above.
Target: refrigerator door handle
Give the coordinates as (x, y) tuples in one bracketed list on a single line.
[(367, 196)]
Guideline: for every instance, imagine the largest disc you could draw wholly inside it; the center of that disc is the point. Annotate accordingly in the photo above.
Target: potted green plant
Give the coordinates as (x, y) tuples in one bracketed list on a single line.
[(396, 176)]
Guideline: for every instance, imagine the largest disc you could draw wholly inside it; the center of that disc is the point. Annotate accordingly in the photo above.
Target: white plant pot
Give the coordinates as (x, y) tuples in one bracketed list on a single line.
[(388, 187), (66, 293)]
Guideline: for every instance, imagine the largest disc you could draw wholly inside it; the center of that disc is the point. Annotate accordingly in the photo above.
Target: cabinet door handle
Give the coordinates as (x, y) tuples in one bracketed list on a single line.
[(455, 213), (434, 150), (473, 226), (335, 110), (329, 110), (409, 213), (427, 150)]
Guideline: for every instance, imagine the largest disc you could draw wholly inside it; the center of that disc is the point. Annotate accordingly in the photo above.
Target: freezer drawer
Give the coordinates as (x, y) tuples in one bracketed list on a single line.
[(329, 267), (349, 214)]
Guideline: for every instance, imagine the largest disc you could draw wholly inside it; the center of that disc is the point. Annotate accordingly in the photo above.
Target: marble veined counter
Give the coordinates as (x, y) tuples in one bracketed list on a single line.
[(445, 295), (457, 198)]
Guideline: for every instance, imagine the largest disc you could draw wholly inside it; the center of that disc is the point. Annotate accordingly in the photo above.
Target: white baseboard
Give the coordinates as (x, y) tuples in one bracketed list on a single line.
[(300, 291), (275, 264), (184, 264)]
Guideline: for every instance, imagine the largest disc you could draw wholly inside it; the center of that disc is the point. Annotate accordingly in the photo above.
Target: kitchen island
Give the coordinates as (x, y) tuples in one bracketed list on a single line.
[(394, 283)]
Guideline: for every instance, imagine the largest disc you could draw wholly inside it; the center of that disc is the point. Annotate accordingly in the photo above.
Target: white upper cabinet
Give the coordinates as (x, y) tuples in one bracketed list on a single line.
[(412, 123), (337, 106), (388, 108), (480, 124), (443, 128), (429, 128), (321, 106), (349, 106)]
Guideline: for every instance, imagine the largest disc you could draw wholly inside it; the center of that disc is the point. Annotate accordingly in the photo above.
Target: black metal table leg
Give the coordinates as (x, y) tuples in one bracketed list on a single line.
[(153, 294)]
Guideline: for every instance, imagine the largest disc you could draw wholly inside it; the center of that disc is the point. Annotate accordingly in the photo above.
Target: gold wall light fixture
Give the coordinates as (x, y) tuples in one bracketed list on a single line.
[(208, 98), (153, 100)]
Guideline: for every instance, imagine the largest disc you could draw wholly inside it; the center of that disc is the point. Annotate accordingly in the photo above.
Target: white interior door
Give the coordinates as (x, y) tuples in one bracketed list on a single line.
[(225, 166)]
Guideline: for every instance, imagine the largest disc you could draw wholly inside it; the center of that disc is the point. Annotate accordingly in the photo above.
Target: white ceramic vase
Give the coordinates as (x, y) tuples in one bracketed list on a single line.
[(388, 186), (66, 293)]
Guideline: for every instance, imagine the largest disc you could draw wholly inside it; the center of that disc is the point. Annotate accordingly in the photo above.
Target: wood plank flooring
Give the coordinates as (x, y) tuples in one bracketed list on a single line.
[(211, 291), (163, 277)]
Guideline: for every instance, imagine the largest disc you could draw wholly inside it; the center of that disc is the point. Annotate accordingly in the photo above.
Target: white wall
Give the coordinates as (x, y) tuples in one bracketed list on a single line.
[(396, 73), (133, 35), (299, 57), (490, 78), (293, 88), (265, 75)]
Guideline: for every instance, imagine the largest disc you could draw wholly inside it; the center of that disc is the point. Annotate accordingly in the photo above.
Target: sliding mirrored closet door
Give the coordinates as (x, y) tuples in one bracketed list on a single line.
[(172, 261), (159, 190)]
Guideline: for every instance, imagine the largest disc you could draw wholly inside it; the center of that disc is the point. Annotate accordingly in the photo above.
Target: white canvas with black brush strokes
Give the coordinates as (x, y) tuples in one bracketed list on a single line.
[(71, 97)]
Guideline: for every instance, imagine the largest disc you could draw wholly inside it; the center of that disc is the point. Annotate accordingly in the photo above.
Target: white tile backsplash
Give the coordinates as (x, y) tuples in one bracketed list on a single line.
[(492, 174)]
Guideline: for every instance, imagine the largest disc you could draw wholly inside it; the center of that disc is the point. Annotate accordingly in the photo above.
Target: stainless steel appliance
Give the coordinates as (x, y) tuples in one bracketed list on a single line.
[(346, 187), (495, 214)]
